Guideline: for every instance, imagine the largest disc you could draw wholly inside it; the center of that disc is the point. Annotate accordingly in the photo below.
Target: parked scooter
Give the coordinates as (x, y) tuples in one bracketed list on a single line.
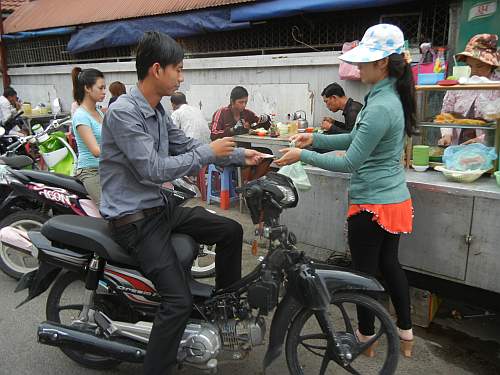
[(100, 309), (56, 152), (36, 196)]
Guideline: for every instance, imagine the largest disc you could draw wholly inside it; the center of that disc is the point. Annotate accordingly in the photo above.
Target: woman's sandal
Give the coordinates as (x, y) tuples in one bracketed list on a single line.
[(405, 345), (370, 351)]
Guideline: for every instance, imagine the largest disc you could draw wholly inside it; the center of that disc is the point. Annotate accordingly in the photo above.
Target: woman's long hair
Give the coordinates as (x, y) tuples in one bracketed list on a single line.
[(83, 78), (405, 86)]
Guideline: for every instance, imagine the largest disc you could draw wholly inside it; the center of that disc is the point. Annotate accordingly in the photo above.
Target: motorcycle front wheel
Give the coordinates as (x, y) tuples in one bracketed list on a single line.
[(308, 352)]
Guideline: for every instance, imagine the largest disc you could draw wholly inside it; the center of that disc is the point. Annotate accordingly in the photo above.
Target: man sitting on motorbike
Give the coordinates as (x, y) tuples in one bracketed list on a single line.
[(142, 148)]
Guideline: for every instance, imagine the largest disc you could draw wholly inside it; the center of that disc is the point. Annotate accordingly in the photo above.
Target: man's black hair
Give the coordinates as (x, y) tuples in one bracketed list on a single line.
[(9, 91), (238, 93), (333, 89), (178, 98), (155, 47)]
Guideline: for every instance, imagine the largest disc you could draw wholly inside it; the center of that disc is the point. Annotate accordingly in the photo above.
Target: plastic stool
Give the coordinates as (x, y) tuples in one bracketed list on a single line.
[(227, 192)]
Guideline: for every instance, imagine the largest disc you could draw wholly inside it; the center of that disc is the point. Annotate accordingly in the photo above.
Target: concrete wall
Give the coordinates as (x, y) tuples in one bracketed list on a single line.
[(316, 70)]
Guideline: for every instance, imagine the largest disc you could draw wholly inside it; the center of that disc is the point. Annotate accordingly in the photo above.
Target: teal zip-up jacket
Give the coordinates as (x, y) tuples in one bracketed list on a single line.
[(374, 149)]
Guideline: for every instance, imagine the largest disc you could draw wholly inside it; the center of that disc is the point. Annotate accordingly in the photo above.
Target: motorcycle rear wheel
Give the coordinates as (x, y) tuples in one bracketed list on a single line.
[(55, 306)]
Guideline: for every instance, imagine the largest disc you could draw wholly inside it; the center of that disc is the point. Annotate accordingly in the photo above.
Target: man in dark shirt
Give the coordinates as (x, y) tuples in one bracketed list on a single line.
[(336, 100), (236, 118), (141, 148)]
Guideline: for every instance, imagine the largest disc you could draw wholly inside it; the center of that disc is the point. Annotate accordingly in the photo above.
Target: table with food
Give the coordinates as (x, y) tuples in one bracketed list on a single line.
[(456, 194)]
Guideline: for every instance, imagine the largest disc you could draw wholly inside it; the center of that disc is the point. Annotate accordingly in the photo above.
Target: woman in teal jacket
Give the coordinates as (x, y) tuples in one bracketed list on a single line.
[(380, 207)]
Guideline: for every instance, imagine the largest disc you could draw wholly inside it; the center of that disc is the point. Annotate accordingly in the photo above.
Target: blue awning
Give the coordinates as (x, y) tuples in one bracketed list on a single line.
[(39, 33), (128, 32), (265, 10)]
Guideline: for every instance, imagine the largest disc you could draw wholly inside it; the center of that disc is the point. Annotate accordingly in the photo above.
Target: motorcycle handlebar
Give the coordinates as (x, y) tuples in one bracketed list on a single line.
[(14, 145)]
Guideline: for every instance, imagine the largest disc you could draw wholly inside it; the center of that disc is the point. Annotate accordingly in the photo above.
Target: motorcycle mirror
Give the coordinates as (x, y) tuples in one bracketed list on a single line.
[(186, 186), (67, 123), (2, 131)]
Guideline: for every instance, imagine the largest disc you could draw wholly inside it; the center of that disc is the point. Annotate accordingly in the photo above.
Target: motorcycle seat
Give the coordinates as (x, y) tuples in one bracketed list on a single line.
[(93, 235), (56, 180), (16, 161)]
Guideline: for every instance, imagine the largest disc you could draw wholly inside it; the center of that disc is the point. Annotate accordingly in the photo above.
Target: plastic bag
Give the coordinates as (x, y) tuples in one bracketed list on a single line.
[(491, 108), (349, 72), (469, 157), (298, 175)]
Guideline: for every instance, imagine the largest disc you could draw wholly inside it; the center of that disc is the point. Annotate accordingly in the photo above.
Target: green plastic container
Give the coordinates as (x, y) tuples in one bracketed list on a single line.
[(497, 176), (421, 155)]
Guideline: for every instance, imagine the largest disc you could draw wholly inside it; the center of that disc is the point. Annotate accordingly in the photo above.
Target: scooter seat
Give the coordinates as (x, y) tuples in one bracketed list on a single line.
[(93, 235), (56, 180), (16, 161)]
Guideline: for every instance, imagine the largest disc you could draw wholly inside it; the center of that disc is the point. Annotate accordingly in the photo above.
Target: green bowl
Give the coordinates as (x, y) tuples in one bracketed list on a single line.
[(497, 176)]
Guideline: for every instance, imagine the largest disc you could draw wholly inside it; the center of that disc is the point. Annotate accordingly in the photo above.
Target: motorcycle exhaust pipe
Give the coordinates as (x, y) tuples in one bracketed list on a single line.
[(55, 334)]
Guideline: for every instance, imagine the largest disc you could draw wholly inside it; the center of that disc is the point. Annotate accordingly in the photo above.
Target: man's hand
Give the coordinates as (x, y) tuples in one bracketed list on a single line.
[(302, 140), (445, 141), (290, 156), (327, 123), (223, 147), (253, 157)]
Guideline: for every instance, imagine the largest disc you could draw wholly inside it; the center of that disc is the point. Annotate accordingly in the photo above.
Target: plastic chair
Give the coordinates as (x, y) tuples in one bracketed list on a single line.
[(201, 182), (227, 193)]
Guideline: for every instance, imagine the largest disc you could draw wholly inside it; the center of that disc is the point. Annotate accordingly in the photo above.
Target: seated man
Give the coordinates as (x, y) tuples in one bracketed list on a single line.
[(9, 104), (237, 119), (336, 100), (141, 149), (189, 118)]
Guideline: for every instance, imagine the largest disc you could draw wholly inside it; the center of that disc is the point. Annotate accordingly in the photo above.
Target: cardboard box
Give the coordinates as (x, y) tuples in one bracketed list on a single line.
[(424, 306)]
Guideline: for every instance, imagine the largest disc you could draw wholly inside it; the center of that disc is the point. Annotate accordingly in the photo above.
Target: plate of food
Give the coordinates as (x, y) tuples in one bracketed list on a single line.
[(453, 119), (260, 132)]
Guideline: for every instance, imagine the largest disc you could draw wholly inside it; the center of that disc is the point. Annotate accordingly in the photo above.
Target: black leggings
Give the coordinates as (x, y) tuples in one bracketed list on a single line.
[(373, 249)]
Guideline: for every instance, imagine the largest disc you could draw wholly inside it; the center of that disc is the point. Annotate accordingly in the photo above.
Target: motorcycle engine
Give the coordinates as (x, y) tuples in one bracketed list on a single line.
[(200, 343), (242, 334)]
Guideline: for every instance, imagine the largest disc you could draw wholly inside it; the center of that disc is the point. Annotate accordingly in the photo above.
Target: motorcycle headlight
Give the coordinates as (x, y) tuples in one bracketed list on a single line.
[(289, 195)]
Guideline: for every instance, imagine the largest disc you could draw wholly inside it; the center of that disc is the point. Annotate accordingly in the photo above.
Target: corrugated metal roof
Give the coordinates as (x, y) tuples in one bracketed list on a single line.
[(43, 14), (12, 5)]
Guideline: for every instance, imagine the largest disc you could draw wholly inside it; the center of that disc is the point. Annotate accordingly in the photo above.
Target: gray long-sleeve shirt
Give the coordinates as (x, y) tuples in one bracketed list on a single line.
[(141, 148)]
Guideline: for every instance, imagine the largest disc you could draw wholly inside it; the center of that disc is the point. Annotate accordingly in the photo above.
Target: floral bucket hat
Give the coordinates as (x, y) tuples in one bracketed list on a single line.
[(378, 42), (482, 47)]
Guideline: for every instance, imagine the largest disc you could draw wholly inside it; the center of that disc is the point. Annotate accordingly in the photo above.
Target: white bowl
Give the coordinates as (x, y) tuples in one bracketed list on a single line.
[(420, 168)]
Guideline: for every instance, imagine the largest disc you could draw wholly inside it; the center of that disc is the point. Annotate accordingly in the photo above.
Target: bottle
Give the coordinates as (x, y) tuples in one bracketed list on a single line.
[(55, 151), (273, 130), (439, 64), (407, 53)]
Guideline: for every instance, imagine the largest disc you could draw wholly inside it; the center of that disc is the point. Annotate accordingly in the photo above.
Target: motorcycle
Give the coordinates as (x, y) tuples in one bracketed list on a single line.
[(7, 139), (37, 196), (100, 308), (25, 203)]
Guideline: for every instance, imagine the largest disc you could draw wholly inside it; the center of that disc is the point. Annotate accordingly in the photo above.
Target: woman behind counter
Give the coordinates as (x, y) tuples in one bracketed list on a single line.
[(482, 57)]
